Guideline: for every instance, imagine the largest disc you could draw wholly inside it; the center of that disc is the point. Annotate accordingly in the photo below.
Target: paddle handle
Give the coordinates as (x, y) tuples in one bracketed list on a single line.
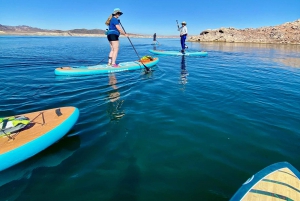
[(177, 24)]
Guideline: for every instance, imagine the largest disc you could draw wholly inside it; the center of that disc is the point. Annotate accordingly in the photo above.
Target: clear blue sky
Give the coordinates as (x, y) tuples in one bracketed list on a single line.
[(147, 17)]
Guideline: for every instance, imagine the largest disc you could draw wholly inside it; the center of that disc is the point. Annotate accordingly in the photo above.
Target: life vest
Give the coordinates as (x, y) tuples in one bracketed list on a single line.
[(13, 124)]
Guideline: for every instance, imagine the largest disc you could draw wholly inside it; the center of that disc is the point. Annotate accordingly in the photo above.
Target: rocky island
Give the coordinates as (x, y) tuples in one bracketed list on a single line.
[(287, 33)]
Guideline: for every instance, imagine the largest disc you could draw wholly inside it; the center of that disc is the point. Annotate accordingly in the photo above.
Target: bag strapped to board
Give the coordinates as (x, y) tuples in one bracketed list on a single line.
[(12, 125), (147, 58)]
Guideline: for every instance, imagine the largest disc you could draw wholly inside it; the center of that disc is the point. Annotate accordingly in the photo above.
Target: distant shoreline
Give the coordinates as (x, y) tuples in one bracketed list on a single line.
[(287, 33), (2, 33)]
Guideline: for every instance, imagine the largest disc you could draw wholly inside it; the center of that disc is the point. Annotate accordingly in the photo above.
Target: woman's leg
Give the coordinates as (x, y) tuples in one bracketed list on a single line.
[(115, 50), (110, 53)]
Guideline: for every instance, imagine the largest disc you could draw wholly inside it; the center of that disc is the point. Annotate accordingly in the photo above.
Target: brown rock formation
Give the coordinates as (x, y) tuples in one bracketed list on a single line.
[(32, 31), (27, 30), (287, 33)]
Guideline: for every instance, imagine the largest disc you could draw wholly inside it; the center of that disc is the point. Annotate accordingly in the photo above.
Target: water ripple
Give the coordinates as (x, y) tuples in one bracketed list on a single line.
[(183, 130)]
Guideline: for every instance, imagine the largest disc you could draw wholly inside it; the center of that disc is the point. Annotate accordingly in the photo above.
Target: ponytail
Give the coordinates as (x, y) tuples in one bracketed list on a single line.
[(108, 20)]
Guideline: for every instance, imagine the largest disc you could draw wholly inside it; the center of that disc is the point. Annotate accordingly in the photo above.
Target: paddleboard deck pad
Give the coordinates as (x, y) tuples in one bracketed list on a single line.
[(178, 53), (104, 68), (279, 181), (45, 128)]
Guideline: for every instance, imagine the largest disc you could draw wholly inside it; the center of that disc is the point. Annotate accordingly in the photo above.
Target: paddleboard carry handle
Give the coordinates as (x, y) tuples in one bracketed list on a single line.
[(58, 112), (41, 113)]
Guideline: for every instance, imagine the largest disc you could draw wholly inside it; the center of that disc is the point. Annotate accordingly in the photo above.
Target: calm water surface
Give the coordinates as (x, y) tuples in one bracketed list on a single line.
[(194, 129)]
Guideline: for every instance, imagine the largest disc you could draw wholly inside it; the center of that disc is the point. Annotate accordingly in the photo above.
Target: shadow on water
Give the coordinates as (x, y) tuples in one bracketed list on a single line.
[(16, 179), (114, 106), (127, 189)]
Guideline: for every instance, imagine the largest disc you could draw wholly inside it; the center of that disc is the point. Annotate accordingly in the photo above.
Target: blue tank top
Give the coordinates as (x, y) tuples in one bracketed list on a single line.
[(112, 26)]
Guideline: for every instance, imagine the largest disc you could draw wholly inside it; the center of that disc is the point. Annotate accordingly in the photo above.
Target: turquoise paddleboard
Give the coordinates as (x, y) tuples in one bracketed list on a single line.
[(44, 129), (104, 68), (178, 53)]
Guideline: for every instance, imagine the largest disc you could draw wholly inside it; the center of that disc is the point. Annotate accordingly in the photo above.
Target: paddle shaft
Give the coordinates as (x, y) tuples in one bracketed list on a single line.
[(147, 69)]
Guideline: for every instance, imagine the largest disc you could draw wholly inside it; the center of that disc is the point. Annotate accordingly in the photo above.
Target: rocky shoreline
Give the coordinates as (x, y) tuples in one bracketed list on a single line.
[(287, 33)]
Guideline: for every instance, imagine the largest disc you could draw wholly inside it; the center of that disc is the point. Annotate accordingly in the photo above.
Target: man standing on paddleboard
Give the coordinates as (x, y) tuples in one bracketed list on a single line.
[(183, 33), (113, 33)]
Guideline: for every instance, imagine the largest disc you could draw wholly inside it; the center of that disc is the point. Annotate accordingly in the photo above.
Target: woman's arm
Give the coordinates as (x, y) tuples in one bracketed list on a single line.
[(121, 30)]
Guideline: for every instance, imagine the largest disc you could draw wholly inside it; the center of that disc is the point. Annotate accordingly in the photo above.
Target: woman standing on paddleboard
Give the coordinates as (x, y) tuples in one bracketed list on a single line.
[(183, 33), (113, 34)]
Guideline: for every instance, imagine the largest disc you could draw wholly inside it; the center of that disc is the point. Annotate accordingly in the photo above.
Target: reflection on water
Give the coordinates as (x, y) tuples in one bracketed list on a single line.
[(184, 73), (50, 157), (114, 107), (293, 62), (236, 47), (272, 52)]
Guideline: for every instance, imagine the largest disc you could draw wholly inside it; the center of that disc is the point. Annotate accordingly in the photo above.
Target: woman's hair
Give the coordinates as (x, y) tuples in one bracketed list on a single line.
[(108, 20)]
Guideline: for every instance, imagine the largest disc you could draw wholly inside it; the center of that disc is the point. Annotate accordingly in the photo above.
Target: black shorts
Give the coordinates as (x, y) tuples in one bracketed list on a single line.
[(113, 37)]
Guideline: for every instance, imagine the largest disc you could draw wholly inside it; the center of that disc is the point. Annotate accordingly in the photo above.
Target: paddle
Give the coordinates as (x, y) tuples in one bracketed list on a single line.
[(146, 68), (177, 24), (156, 43)]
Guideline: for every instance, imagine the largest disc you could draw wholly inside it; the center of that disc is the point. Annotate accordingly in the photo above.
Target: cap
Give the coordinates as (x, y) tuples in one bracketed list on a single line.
[(117, 10)]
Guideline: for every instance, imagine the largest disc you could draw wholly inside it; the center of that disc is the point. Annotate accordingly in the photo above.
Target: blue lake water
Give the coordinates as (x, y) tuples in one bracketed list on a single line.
[(196, 128)]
